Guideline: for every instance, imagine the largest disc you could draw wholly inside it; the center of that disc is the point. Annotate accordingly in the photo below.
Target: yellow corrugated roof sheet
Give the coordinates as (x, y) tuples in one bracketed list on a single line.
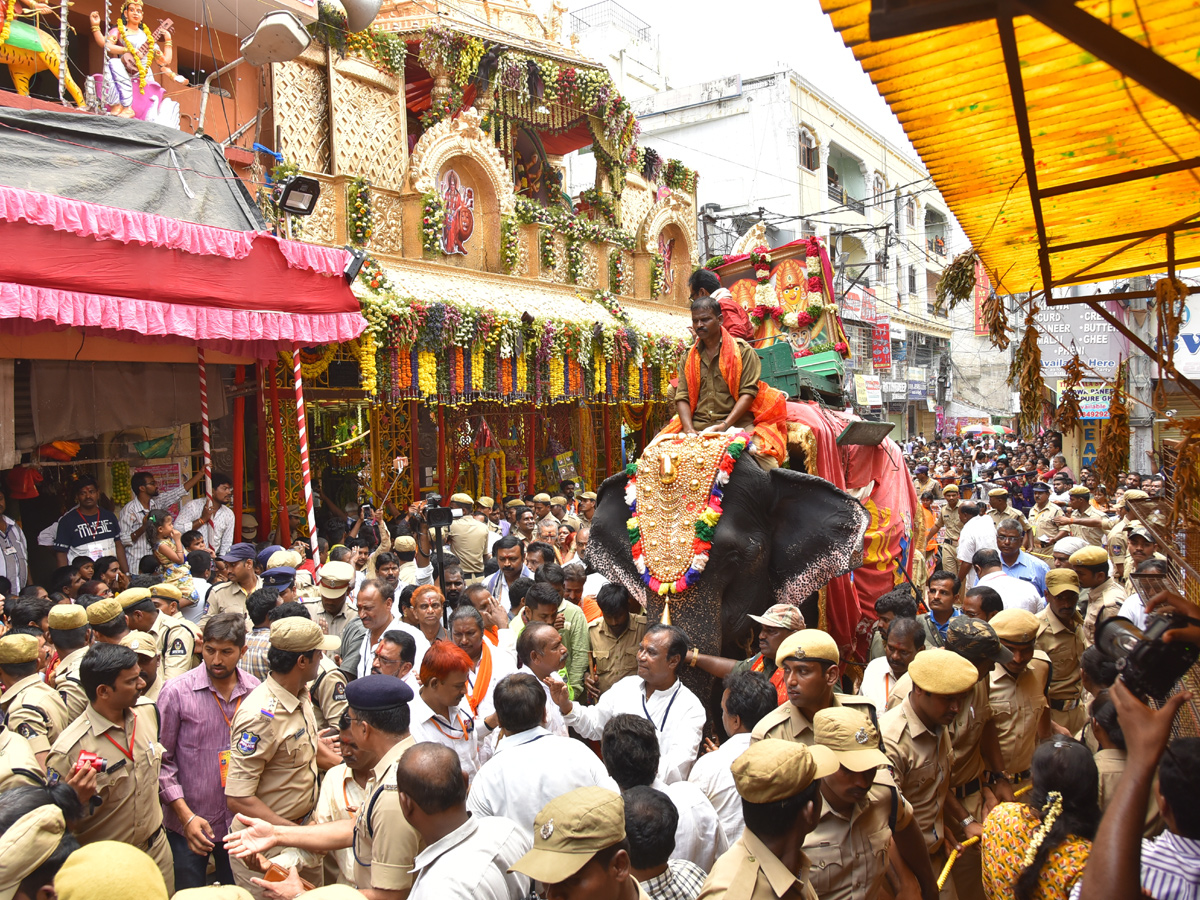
[(950, 90)]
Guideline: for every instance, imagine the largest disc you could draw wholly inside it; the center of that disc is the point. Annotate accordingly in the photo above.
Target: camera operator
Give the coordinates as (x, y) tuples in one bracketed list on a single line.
[(1121, 864)]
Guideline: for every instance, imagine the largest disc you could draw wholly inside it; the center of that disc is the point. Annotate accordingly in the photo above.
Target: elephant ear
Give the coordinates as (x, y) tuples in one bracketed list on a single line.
[(817, 534), (609, 550)]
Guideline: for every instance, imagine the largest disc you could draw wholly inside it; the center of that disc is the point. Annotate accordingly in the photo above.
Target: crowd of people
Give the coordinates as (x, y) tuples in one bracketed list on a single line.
[(476, 712)]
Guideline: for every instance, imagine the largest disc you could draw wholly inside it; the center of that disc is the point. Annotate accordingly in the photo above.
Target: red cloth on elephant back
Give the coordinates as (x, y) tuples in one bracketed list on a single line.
[(769, 408), (892, 504)]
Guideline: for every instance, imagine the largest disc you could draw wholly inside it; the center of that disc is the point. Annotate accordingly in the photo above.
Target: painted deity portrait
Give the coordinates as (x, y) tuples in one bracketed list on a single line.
[(459, 202)]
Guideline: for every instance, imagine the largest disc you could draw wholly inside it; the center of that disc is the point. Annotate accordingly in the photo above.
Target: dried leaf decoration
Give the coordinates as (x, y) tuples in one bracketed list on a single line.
[(1066, 418), (1113, 453), (1026, 373), (957, 283), (1186, 476), (1170, 300), (997, 321)]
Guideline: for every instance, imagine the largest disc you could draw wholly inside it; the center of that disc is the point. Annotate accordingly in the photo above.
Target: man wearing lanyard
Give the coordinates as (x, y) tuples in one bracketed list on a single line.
[(197, 711), (117, 729), (375, 612), (656, 693)]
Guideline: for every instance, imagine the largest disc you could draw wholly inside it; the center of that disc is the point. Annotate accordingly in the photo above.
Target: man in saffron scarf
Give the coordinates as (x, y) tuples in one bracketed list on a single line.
[(720, 388)]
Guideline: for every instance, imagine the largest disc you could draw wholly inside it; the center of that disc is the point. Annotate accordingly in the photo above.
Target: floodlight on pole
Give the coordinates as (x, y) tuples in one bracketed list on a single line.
[(279, 37), (297, 195)]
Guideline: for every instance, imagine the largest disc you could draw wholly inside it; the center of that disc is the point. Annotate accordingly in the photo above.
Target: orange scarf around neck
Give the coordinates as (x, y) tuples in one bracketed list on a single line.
[(482, 679)]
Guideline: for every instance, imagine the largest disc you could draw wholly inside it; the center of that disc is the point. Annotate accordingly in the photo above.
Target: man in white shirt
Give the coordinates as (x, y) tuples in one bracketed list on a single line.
[(465, 857), (541, 653), (214, 522), (504, 786), (133, 515), (655, 693), (488, 665), (1015, 593), (747, 698), (510, 556), (905, 639), (437, 713), (630, 751), (978, 533), (375, 612)]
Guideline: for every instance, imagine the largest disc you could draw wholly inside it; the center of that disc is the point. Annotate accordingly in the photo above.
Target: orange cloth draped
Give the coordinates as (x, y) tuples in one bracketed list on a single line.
[(493, 635), (483, 677), (591, 609), (769, 407), (776, 679)]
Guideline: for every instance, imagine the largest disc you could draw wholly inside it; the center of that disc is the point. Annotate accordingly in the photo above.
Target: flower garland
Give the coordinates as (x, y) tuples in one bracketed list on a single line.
[(10, 10), (616, 271), (706, 523), (680, 177), (365, 350), (358, 211), (547, 252), (575, 256), (452, 52), (510, 245), (558, 219), (760, 259), (763, 313), (599, 202), (1050, 813), (608, 299), (382, 49), (433, 221), (715, 262), (447, 109), (658, 275), (150, 48)]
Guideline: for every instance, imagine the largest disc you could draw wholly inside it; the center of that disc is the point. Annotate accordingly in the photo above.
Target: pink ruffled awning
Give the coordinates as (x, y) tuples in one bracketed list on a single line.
[(146, 277)]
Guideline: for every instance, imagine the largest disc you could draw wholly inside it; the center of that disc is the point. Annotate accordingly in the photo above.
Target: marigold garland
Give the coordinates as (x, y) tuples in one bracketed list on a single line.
[(706, 523), (433, 221), (10, 10), (658, 275), (150, 48), (358, 211), (510, 245)]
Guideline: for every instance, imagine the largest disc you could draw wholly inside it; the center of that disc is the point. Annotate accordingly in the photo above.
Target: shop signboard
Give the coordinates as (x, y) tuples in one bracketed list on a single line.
[(881, 346), (1065, 329), (868, 308), (860, 390), (873, 390), (852, 306), (1094, 399)]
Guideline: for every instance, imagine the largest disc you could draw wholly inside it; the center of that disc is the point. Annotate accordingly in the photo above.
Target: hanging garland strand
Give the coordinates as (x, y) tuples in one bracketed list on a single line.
[(1113, 453), (359, 213), (1026, 373), (1066, 418)]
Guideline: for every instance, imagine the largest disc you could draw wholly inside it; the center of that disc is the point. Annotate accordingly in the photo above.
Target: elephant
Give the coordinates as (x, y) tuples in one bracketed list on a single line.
[(28, 51), (782, 536)]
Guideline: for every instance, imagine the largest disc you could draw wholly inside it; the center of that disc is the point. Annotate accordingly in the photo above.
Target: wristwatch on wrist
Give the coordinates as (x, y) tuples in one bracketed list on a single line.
[(969, 820)]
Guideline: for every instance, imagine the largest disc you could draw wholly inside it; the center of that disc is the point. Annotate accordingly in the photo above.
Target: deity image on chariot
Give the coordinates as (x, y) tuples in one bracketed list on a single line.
[(460, 213)]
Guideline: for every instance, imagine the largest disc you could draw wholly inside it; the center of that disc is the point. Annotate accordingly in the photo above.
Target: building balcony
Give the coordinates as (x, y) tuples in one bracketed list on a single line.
[(838, 194), (936, 246)]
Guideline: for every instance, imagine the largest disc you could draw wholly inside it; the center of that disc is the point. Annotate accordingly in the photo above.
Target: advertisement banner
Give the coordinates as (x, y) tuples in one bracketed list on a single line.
[(860, 390), (1094, 400), (873, 389), (916, 390), (852, 306), (881, 346), (1063, 329), (868, 307), (983, 288), (940, 412)]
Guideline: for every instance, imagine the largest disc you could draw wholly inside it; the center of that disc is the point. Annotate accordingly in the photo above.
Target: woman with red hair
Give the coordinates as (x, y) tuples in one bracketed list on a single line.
[(436, 711)]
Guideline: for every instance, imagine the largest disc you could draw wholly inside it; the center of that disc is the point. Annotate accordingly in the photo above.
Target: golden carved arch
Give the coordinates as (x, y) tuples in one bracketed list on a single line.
[(674, 209), (461, 136), (756, 236)]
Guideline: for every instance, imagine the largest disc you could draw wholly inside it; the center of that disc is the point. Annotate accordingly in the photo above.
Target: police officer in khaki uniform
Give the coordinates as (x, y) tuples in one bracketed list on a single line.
[(146, 648), (384, 843), (916, 738), (615, 638), (586, 507), (487, 506), (1117, 540), (541, 512), (328, 689), (560, 508), (773, 778), (1000, 508), (71, 636), (581, 836), (18, 764), (335, 610), (172, 643), (275, 750), (468, 537), (1043, 532), (32, 708), (231, 595), (124, 734), (860, 815), (173, 638), (107, 620), (1017, 693), (1060, 637), (1104, 594), (948, 521), (1080, 519), (810, 661)]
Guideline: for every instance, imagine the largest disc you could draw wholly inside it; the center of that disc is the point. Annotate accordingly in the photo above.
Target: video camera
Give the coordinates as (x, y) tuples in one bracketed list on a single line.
[(438, 516), (1148, 666)]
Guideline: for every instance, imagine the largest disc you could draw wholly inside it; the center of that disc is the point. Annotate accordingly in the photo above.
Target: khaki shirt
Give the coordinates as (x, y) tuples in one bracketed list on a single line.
[(715, 402), (966, 731), (1042, 523), (227, 597), (1063, 645), (1116, 543), (1009, 512), (949, 520), (176, 640), (334, 624), (615, 656), (1094, 536), (68, 685), (469, 540), (931, 484), (274, 758), (1017, 705), (849, 853), (789, 724), (18, 764), (1111, 766), (129, 810), (922, 761), (35, 711), (385, 844), (328, 694), (749, 871), (1103, 602)]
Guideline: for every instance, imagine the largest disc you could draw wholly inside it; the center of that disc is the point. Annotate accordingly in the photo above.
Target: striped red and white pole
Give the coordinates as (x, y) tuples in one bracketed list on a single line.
[(205, 436), (305, 471)]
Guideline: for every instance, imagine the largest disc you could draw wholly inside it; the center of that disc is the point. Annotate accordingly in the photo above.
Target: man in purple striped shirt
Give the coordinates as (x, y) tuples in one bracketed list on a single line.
[(196, 709)]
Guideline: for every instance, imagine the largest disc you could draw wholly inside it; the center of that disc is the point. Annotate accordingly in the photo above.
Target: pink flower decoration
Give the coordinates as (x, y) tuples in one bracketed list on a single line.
[(814, 284)]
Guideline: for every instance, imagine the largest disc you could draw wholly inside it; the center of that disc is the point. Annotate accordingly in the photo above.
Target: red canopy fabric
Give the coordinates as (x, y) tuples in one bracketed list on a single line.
[(145, 277)]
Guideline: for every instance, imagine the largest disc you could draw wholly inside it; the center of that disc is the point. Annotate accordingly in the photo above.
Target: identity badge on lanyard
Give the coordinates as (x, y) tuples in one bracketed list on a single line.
[(224, 755)]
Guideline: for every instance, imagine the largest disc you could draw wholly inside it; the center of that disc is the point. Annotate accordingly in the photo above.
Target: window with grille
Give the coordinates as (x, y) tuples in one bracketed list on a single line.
[(880, 190), (910, 211), (809, 156), (912, 280)]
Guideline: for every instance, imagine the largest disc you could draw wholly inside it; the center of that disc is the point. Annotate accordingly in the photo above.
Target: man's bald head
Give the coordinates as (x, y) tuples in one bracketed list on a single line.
[(431, 776)]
